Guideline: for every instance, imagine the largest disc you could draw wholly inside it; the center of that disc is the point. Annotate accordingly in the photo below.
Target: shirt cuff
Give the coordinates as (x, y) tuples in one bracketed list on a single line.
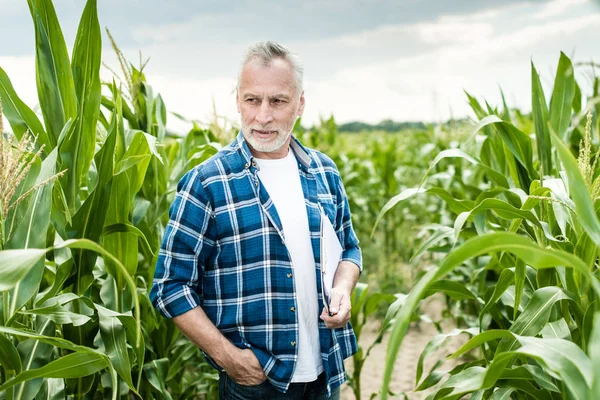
[(354, 256), (177, 303)]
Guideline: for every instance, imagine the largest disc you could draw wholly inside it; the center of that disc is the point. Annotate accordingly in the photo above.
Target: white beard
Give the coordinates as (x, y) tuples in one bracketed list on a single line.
[(265, 146)]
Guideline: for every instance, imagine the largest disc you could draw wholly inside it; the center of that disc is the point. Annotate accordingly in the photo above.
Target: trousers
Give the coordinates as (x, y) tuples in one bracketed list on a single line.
[(315, 390)]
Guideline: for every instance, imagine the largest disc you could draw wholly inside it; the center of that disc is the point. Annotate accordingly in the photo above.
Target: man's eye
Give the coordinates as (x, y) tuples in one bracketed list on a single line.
[(250, 100), (277, 101)]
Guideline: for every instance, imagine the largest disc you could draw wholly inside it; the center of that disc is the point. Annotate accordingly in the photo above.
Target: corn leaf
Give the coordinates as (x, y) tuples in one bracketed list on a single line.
[(56, 91), (562, 96), (70, 366), (541, 119), (21, 117)]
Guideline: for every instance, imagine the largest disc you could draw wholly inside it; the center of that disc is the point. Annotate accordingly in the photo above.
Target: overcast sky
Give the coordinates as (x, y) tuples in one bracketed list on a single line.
[(365, 60)]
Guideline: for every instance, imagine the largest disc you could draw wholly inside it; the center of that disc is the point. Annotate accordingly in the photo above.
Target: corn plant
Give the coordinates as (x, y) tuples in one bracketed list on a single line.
[(522, 254), (82, 216), (364, 306)]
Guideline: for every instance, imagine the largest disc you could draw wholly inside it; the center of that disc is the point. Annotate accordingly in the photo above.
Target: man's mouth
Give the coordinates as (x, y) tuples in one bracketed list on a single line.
[(263, 133)]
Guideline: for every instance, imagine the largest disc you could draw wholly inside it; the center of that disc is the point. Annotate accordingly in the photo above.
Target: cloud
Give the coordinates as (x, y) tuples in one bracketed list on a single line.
[(401, 70), (556, 8), (429, 86)]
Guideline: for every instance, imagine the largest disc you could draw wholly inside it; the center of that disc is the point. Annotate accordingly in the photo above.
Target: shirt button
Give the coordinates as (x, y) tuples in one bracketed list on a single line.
[(293, 343), (293, 309), (289, 275)]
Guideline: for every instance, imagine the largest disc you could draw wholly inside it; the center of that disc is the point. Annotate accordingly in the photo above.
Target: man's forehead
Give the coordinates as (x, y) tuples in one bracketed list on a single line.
[(276, 73)]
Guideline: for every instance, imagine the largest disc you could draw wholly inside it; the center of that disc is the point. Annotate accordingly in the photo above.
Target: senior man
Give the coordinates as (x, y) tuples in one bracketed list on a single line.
[(239, 265)]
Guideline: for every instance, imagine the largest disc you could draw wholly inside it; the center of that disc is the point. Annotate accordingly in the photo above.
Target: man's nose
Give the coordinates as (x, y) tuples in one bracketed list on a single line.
[(265, 114)]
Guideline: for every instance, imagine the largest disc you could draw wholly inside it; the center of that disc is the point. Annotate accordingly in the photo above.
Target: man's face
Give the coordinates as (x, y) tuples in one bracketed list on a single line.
[(268, 102)]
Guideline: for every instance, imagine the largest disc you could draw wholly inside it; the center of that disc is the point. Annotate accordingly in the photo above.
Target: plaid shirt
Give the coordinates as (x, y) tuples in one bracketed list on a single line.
[(224, 250)]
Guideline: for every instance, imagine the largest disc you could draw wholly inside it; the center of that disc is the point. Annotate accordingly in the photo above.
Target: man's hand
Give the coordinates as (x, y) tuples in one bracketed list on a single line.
[(340, 309), (240, 364), (344, 281), (244, 368)]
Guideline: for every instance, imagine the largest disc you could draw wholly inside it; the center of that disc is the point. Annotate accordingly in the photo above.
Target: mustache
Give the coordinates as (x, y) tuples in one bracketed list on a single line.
[(264, 129)]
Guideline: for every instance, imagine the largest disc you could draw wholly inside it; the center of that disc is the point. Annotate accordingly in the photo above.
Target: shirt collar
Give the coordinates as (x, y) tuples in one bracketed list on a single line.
[(302, 154)]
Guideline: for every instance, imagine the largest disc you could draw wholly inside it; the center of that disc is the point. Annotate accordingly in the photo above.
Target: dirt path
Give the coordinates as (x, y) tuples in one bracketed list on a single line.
[(403, 379)]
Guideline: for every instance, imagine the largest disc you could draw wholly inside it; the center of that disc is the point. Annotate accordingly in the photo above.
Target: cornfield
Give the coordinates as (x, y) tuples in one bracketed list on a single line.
[(500, 216)]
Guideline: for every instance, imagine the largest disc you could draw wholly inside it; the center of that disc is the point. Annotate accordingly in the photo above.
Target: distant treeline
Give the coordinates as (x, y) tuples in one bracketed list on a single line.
[(386, 125)]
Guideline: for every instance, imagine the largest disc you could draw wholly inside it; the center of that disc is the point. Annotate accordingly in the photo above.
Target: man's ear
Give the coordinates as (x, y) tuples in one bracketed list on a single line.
[(237, 99), (301, 106)]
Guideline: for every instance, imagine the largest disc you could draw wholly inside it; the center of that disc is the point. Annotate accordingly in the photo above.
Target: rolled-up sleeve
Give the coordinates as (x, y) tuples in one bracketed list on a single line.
[(351, 250), (186, 244)]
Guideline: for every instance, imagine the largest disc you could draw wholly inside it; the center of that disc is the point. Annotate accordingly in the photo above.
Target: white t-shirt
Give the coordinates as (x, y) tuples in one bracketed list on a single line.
[(282, 180)]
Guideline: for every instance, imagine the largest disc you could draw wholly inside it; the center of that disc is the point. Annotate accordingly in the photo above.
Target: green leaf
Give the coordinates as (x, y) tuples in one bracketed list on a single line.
[(561, 357), (502, 394), (579, 192), (535, 316), (114, 338), (506, 279), (435, 344), (577, 99), (56, 91), (455, 290), (562, 96), (77, 151), (127, 227), (17, 216), (540, 117), (52, 389), (21, 117), (34, 354), (520, 275), (74, 365), (557, 330), (503, 209), (477, 109), (15, 264), (130, 328), (517, 142), (50, 340), (59, 314), (440, 233), (31, 233), (455, 205), (181, 355), (121, 272), (156, 372), (522, 247), (480, 339), (497, 177), (594, 352), (131, 161), (63, 271), (89, 220), (530, 372), (375, 300), (9, 356), (505, 109), (466, 381)]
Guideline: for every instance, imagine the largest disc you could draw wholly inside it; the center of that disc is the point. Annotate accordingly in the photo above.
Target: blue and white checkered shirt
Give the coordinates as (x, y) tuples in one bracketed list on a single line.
[(224, 250)]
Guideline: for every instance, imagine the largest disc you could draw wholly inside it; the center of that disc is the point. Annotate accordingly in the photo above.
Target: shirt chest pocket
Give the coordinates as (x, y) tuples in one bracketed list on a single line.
[(329, 208)]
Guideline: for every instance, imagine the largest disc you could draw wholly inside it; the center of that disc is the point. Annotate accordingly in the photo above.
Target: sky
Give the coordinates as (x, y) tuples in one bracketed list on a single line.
[(364, 60)]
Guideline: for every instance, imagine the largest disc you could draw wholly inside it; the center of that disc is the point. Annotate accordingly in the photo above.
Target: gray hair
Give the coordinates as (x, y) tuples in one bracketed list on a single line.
[(269, 51)]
